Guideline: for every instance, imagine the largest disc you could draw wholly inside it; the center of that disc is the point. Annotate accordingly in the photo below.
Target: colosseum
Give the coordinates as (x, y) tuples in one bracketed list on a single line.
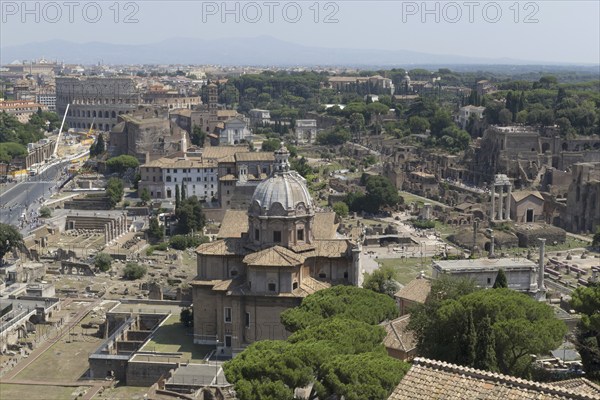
[(96, 100)]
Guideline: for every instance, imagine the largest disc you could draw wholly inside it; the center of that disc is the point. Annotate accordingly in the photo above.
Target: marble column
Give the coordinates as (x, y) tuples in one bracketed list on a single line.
[(508, 201), (493, 213), (500, 199)]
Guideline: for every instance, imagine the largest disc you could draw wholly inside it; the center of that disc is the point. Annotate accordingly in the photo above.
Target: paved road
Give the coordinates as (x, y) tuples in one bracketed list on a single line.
[(25, 196)]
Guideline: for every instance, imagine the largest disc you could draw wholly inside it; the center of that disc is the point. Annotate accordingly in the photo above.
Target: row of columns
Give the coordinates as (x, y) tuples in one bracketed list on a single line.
[(115, 228), (503, 211)]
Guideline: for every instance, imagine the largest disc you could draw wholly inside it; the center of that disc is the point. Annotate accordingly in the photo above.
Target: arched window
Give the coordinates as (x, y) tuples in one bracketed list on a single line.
[(272, 287)]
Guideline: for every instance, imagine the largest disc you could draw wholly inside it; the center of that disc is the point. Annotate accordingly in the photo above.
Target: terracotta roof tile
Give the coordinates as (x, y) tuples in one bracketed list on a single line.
[(437, 380), (416, 290), (397, 336), (235, 222), (275, 256)]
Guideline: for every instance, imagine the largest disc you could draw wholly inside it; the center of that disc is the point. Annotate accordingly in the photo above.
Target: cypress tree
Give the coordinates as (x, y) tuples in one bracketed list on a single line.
[(485, 354), (467, 350), (177, 197), (183, 191), (501, 281)]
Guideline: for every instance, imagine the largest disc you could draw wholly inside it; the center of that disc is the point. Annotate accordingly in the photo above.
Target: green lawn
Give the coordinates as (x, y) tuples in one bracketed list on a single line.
[(38, 392), (409, 268), (173, 337)]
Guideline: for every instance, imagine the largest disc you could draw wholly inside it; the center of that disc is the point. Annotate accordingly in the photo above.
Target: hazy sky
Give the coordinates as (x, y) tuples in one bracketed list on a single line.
[(543, 30)]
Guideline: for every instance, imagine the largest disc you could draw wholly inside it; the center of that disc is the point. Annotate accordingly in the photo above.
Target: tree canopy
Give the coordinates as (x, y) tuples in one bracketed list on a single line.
[(336, 347), (10, 238), (114, 191), (103, 262), (586, 300), (455, 330), (122, 163), (190, 216)]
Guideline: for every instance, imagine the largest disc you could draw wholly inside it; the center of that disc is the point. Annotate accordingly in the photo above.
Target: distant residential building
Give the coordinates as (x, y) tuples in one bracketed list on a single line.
[(259, 117), (37, 67), (48, 100), (306, 130), (225, 174), (160, 177), (485, 87), (234, 131), (21, 109), (376, 84), (466, 112), (170, 99)]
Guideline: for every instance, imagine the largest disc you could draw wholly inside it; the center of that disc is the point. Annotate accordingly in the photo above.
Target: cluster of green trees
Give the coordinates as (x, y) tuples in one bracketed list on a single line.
[(10, 238), (122, 163), (286, 94), (335, 346), (190, 217), (198, 136), (133, 271), (494, 330), (182, 242), (573, 107), (114, 191), (383, 280), (14, 135), (103, 262), (98, 147), (11, 130), (334, 137), (586, 300), (380, 193)]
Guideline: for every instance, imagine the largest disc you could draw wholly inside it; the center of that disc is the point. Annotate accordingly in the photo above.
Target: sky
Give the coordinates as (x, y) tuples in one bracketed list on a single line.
[(541, 31)]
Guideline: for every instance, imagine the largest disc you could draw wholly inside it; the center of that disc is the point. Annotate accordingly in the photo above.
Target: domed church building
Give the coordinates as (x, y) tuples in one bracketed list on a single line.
[(267, 260)]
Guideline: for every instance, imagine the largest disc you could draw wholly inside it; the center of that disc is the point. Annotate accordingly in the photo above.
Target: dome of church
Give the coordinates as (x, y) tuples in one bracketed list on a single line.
[(283, 192)]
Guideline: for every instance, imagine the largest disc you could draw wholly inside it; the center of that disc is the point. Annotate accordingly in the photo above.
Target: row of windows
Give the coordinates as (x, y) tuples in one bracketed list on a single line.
[(277, 235), (228, 316)]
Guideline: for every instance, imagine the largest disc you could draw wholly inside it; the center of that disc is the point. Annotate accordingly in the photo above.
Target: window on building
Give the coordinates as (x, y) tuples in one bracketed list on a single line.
[(300, 234), (168, 193), (256, 232), (489, 281), (277, 236), (272, 287), (322, 275), (233, 273), (227, 314), (175, 170), (294, 285), (247, 320), (168, 178)]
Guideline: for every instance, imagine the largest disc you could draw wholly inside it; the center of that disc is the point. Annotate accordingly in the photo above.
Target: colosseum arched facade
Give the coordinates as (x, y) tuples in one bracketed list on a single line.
[(96, 100)]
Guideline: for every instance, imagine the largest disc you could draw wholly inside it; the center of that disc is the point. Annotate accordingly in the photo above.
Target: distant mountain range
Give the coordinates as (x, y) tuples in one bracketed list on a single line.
[(258, 51)]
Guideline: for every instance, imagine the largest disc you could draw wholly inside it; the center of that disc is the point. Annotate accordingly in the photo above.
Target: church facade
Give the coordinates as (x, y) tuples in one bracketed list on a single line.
[(285, 250)]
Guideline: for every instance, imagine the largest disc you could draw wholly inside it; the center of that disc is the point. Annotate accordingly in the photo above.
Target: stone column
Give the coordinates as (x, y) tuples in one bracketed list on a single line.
[(508, 201), (500, 199), (491, 254), (493, 213)]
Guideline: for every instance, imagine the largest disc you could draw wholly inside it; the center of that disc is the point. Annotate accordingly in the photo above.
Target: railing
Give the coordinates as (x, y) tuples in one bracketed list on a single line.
[(15, 319)]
